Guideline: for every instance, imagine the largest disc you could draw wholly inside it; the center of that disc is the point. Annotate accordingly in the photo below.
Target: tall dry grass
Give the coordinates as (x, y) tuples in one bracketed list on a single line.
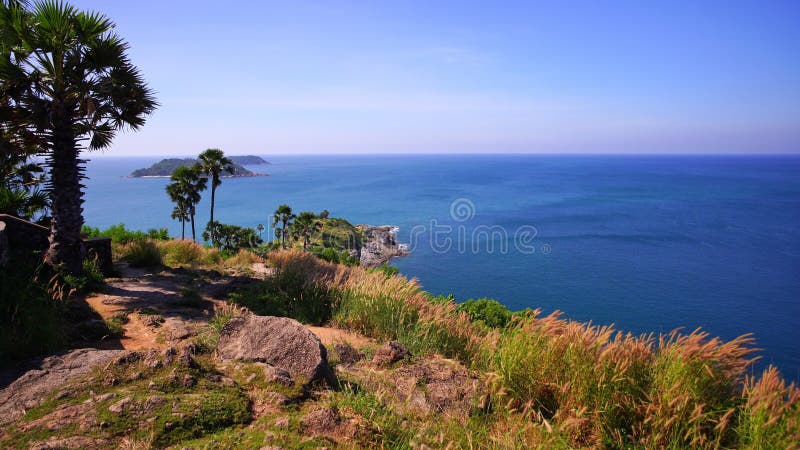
[(577, 384)]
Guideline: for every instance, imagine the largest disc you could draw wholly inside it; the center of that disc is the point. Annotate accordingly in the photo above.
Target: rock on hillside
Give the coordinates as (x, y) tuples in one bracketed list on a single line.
[(31, 389), (285, 343), (380, 245)]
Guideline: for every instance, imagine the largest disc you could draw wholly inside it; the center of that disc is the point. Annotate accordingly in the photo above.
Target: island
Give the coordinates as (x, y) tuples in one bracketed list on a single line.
[(165, 167), (249, 160)]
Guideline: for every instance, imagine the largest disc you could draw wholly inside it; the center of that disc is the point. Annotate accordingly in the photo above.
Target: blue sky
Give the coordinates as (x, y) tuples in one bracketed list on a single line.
[(463, 77)]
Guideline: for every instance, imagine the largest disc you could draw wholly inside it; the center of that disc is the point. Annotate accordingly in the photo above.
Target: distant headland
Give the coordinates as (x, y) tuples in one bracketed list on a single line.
[(165, 167)]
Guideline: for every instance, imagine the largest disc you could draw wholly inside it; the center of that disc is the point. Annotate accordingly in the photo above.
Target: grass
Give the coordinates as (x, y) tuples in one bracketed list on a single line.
[(31, 321), (549, 382), (115, 324), (580, 385), (141, 253)]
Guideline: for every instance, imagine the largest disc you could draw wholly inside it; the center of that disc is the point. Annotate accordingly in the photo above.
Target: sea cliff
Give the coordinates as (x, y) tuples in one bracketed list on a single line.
[(379, 245)]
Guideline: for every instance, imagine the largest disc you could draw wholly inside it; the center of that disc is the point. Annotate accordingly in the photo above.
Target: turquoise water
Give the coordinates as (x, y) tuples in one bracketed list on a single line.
[(649, 243)]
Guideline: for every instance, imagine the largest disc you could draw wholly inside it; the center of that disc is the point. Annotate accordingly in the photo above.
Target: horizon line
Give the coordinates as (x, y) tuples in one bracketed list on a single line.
[(87, 153)]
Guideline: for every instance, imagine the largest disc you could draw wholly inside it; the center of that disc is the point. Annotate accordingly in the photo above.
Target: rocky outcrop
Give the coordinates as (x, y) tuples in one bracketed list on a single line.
[(282, 342), (390, 353), (32, 388), (379, 245), (422, 385)]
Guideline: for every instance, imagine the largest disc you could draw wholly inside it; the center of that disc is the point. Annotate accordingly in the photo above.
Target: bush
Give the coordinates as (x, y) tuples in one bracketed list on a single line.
[(244, 259), (231, 237), (337, 257), (120, 235), (387, 270), (31, 322), (487, 311), (92, 278), (182, 252), (143, 253)]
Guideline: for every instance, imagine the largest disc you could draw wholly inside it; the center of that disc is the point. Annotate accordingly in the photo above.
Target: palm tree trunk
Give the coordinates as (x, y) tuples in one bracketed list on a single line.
[(66, 248), (213, 194), (183, 229), (194, 236)]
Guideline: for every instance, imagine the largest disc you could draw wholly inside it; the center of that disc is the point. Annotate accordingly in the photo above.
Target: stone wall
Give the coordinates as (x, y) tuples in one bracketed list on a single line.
[(22, 239), (25, 235)]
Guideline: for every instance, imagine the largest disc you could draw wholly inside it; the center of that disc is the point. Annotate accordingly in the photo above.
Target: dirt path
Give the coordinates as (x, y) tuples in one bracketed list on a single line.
[(167, 307), (161, 308)]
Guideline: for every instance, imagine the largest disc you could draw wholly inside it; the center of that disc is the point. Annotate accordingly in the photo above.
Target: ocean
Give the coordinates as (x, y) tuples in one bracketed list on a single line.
[(648, 243)]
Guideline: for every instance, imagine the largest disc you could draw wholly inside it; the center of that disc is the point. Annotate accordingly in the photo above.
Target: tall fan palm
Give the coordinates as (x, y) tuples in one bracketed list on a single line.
[(181, 212), (82, 90), (284, 216), (305, 226), (214, 163), (184, 189)]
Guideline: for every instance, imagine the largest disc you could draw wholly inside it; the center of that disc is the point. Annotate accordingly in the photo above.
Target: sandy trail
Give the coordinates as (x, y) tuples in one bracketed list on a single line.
[(159, 315)]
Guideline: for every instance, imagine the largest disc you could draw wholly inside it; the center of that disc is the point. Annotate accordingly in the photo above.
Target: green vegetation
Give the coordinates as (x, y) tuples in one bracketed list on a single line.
[(31, 322), (288, 293), (387, 270), (214, 163), (306, 225), (487, 311), (184, 190), (121, 235), (555, 382), (283, 216), (231, 237), (167, 167), (67, 81), (330, 238), (248, 160), (183, 404), (21, 182), (337, 257), (141, 253), (91, 279)]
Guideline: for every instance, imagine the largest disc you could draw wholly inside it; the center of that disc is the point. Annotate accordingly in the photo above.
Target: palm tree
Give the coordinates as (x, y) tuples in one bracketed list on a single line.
[(82, 90), (284, 216), (186, 185), (260, 229), (305, 226), (20, 192), (181, 212), (213, 163)]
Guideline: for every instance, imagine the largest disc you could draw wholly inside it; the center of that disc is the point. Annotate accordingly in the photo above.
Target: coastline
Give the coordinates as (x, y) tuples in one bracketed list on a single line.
[(380, 245)]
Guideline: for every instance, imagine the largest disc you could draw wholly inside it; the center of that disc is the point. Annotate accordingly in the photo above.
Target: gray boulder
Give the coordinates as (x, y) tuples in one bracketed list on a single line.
[(282, 342), (33, 387)]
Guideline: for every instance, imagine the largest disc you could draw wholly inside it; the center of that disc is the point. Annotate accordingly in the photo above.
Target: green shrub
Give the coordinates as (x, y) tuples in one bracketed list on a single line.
[(142, 253), (487, 311), (387, 270), (336, 257), (31, 322), (115, 324), (121, 235), (91, 280), (177, 252), (231, 238)]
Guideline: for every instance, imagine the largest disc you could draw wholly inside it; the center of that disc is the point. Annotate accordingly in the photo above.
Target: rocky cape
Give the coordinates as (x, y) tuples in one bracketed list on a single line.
[(379, 245)]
